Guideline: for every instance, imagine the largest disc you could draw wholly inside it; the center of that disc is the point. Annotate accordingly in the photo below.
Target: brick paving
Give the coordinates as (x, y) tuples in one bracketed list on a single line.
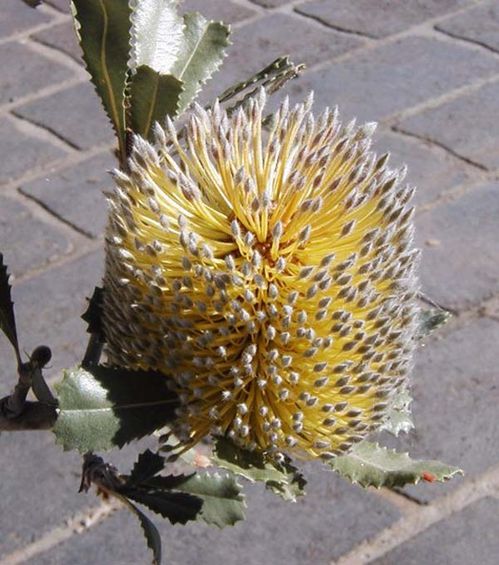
[(428, 71)]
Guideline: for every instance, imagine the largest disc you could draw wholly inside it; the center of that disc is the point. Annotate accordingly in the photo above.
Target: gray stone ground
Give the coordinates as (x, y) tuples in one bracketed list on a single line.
[(429, 72)]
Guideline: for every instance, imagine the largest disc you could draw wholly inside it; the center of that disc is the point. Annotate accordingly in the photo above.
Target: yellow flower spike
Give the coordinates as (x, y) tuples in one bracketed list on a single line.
[(270, 277)]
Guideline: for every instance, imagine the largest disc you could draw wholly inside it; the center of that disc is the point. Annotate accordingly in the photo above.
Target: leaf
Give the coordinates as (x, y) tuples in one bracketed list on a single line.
[(101, 408), (223, 503), (399, 415), (157, 34), (177, 507), (103, 29), (147, 465), (283, 480), (93, 313), (430, 320), (369, 464), (152, 97), (271, 77), (292, 487), (150, 531), (7, 316), (200, 55)]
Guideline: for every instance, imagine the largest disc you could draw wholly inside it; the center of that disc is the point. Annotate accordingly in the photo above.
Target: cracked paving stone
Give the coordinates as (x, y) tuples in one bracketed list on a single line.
[(22, 251), (464, 125), (16, 17), (76, 193), (381, 82), (377, 18), (25, 71), (469, 536), (460, 262), (74, 114), (432, 170), (331, 519), (479, 24), (455, 386), (22, 152)]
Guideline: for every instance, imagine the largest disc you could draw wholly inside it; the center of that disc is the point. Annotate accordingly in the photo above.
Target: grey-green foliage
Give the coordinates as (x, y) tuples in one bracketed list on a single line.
[(102, 407), (200, 55), (145, 61), (399, 417), (282, 479), (153, 96), (103, 29), (369, 464)]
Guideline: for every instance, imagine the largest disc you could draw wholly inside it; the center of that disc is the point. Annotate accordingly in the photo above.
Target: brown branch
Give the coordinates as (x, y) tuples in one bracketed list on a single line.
[(35, 416)]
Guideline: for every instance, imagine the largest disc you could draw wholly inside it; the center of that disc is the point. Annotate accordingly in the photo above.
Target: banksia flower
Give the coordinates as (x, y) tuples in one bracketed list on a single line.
[(268, 275)]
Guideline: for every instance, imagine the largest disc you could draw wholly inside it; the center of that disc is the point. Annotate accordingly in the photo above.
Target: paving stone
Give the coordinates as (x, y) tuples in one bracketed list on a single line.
[(33, 468), (456, 394), (378, 83), (479, 24), (39, 488), (48, 309), (24, 71), (21, 152), (14, 17), (329, 521), (26, 242), (460, 263), (34, 465), (377, 18), (469, 536), (218, 10), (433, 171), (74, 114), (257, 44), (61, 37), (463, 125), (75, 193)]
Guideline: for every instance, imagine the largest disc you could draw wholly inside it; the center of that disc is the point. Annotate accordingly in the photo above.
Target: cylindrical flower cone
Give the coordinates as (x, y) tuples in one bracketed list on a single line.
[(269, 276)]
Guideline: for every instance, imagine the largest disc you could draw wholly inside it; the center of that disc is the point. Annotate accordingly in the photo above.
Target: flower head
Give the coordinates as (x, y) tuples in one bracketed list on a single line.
[(268, 275)]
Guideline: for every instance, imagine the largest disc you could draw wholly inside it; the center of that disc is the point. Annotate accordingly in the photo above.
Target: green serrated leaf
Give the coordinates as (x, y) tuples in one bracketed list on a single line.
[(248, 464), (399, 418), (103, 29), (200, 55), (223, 503), (284, 480), (292, 487), (152, 97), (101, 408), (7, 316), (150, 531), (272, 77), (147, 465), (430, 320), (177, 507), (369, 464)]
